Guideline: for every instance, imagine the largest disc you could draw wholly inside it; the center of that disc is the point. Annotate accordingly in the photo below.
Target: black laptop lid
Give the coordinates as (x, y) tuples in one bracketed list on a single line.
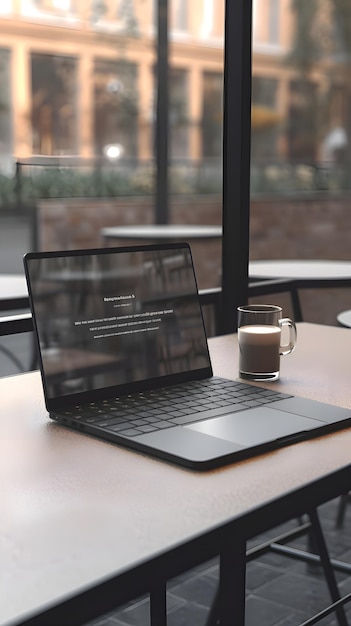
[(115, 320)]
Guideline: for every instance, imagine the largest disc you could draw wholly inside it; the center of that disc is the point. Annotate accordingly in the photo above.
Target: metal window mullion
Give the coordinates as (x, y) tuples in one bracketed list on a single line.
[(162, 108), (236, 158)]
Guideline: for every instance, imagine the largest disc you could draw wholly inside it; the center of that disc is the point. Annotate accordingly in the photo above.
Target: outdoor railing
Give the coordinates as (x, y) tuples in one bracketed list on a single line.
[(71, 176)]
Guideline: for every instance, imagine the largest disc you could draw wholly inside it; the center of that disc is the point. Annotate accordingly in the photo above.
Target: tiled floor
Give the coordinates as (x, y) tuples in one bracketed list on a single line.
[(280, 591)]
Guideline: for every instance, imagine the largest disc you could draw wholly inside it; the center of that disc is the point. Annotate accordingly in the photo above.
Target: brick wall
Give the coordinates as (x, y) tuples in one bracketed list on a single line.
[(301, 228), (285, 227), (305, 228), (77, 223)]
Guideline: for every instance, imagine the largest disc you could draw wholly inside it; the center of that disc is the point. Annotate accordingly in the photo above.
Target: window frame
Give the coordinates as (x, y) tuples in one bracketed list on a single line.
[(236, 159)]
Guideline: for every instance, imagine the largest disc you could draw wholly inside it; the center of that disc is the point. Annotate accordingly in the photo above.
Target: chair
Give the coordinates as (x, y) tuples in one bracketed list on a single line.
[(12, 325), (265, 287), (277, 544), (19, 227), (212, 297), (345, 499)]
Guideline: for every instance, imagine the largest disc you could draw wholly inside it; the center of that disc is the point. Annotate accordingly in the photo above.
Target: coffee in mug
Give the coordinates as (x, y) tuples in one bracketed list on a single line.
[(260, 341)]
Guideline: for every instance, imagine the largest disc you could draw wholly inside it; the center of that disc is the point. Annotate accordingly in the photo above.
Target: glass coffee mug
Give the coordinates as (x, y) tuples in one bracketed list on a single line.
[(260, 329)]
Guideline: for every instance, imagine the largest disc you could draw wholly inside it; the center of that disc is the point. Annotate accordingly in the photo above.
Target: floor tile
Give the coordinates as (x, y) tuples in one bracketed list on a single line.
[(264, 612), (280, 591), (258, 574), (200, 589), (187, 615), (300, 593)]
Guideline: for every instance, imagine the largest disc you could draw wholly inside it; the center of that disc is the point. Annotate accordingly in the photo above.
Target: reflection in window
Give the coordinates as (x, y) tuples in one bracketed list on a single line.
[(116, 105), (53, 105), (212, 115)]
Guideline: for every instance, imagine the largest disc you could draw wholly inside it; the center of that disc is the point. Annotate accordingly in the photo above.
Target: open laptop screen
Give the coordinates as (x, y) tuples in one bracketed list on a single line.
[(115, 316)]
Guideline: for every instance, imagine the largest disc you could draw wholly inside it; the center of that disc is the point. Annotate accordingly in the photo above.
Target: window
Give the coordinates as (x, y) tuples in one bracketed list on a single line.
[(264, 127), (115, 109), (178, 114), (213, 19), (273, 21), (302, 121), (54, 80), (212, 115), (5, 7), (266, 22), (179, 15), (301, 138), (5, 113), (79, 119), (58, 8)]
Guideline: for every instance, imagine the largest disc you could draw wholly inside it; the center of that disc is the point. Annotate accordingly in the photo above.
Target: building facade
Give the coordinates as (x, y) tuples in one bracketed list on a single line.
[(78, 77)]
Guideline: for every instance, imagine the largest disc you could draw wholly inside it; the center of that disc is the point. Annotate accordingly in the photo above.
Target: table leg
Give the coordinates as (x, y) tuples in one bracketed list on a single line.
[(158, 606), (318, 538), (228, 607)]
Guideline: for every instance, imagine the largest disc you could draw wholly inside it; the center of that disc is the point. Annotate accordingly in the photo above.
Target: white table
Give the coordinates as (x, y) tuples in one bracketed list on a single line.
[(344, 318), (327, 272), (86, 525), (13, 292), (162, 232)]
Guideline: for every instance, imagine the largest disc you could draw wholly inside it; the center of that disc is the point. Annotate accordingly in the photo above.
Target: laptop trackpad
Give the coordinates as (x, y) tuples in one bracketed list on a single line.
[(254, 426)]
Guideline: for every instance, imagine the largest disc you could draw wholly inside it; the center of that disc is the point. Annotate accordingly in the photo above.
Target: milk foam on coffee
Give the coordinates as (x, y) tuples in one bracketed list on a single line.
[(259, 348)]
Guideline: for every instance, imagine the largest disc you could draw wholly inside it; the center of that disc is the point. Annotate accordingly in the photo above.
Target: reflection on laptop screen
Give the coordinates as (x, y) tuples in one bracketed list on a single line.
[(116, 317)]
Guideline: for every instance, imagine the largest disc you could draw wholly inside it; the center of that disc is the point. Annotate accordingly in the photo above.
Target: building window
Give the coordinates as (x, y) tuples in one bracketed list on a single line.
[(264, 119), (116, 105), (212, 115), (302, 124), (178, 114), (54, 119), (266, 22), (48, 7), (212, 19), (5, 7), (273, 21), (179, 15), (5, 113)]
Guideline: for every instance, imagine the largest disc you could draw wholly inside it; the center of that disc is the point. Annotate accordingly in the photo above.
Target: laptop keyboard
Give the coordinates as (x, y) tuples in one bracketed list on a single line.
[(146, 412)]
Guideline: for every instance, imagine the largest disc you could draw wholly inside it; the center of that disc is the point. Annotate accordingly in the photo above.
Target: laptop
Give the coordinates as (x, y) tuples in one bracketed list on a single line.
[(123, 356)]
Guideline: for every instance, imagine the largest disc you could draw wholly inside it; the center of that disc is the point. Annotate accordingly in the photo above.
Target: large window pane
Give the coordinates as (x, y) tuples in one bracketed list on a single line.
[(301, 138), (78, 112), (195, 125)]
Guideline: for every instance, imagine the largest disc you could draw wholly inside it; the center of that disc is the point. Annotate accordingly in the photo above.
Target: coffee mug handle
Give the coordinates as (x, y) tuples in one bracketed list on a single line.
[(286, 321)]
